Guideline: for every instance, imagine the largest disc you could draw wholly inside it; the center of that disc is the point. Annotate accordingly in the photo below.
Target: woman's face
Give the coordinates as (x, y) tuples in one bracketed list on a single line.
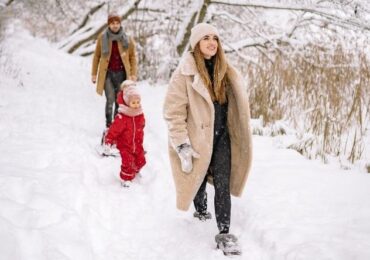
[(208, 45)]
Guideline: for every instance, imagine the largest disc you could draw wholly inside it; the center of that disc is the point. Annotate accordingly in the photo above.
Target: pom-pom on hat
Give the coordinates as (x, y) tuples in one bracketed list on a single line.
[(199, 31), (113, 17), (127, 83)]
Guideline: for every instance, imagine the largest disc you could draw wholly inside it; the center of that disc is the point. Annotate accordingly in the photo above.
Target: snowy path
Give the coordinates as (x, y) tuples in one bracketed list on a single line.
[(59, 200)]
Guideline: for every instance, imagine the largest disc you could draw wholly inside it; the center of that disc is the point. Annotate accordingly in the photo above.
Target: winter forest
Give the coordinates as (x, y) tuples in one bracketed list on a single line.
[(306, 64)]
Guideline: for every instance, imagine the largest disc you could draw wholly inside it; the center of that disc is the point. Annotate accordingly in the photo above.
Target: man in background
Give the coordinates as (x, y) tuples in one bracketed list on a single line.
[(114, 61)]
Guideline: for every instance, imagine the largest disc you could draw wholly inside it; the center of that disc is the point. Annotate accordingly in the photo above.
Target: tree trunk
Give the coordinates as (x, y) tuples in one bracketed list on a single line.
[(181, 47)]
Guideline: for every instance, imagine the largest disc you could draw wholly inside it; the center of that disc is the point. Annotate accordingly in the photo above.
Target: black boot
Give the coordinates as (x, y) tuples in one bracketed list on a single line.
[(202, 216), (228, 243)]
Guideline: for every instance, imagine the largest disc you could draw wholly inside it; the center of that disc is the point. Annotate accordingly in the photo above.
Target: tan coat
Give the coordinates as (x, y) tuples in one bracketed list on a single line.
[(189, 112), (100, 62)]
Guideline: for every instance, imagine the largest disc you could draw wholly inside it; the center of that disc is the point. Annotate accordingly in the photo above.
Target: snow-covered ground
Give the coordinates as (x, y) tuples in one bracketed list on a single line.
[(59, 200)]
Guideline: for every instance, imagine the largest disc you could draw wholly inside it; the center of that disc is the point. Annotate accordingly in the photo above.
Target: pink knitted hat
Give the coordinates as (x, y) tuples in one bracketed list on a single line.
[(129, 93)]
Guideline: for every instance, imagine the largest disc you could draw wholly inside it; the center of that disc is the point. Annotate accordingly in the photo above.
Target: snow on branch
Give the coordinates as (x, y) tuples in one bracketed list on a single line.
[(92, 33), (196, 15), (331, 14), (261, 40), (154, 10), (87, 16)]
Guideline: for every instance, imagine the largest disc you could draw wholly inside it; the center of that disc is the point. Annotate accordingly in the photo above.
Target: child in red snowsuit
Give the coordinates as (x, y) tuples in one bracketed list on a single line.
[(127, 132)]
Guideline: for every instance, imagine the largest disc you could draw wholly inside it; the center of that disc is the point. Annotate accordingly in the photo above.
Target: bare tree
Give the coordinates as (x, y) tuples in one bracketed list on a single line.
[(94, 32), (296, 54)]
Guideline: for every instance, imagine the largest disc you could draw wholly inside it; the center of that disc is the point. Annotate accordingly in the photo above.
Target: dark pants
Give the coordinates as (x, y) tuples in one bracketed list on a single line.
[(219, 169), (113, 81)]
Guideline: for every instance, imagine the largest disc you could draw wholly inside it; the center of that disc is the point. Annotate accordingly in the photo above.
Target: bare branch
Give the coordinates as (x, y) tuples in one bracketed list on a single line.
[(151, 10), (341, 21), (197, 16), (94, 34), (87, 17), (9, 2)]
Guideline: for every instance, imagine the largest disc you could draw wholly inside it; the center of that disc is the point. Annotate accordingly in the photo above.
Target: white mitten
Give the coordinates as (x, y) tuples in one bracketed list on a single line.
[(107, 149), (186, 154)]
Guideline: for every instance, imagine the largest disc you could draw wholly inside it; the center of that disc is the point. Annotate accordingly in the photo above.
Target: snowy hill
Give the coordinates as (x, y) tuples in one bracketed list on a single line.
[(59, 200)]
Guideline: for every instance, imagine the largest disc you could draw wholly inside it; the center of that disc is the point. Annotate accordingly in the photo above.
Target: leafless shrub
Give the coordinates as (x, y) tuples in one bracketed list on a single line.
[(7, 65), (320, 93)]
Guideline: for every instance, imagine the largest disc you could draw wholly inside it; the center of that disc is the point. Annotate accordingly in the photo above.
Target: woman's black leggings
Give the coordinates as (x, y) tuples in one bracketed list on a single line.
[(219, 169)]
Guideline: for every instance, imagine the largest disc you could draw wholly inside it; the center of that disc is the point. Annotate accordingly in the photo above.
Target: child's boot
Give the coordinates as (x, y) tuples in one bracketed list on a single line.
[(126, 184)]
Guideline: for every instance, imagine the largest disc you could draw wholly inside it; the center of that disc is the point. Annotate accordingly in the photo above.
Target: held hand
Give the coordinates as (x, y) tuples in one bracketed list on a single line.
[(93, 79), (132, 77), (186, 154)]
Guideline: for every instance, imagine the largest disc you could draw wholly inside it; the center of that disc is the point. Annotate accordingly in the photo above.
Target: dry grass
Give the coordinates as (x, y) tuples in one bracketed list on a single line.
[(323, 93)]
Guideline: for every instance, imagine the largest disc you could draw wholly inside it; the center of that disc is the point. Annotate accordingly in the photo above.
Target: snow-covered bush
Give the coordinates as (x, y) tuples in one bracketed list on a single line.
[(305, 61), (324, 96)]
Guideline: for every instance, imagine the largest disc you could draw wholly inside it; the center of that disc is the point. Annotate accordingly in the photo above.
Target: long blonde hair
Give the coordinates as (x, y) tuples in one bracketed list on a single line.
[(220, 81)]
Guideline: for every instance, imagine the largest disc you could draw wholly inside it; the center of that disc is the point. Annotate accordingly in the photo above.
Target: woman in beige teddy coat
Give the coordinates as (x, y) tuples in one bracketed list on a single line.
[(207, 112)]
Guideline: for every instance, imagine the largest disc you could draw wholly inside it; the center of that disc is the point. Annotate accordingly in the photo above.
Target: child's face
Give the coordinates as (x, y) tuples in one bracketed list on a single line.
[(135, 103)]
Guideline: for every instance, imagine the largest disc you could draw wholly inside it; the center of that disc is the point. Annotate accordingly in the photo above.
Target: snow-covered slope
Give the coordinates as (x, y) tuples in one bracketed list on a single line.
[(59, 200)]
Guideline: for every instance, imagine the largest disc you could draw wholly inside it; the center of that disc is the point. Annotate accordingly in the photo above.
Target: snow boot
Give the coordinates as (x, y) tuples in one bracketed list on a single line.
[(103, 153), (228, 243), (202, 216), (126, 184)]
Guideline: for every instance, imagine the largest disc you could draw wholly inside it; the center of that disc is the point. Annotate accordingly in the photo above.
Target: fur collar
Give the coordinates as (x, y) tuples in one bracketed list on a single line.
[(188, 67)]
